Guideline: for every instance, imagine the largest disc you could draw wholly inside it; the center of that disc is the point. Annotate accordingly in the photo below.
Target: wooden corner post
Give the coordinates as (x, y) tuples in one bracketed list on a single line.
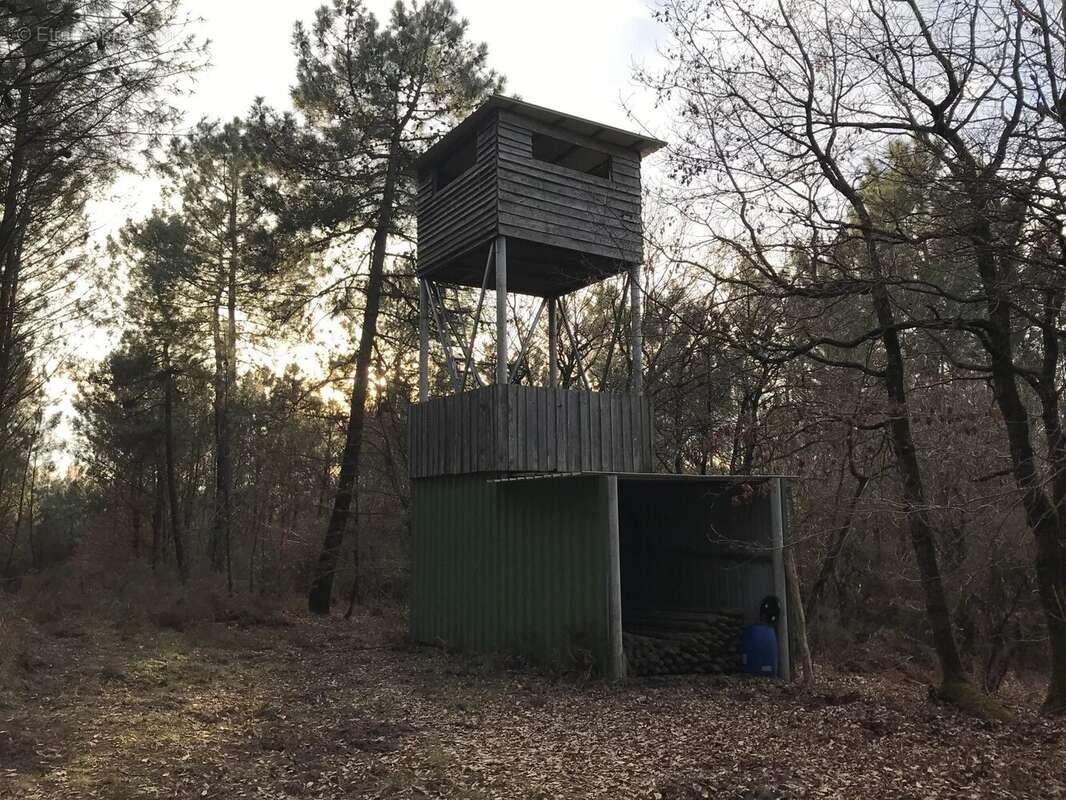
[(502, 376), (777, 523), (423, 341), (616, 658), (553, 342), (636, 333)]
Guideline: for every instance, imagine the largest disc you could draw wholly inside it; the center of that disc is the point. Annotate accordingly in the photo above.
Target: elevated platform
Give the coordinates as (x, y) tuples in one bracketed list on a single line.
[(515, 429)]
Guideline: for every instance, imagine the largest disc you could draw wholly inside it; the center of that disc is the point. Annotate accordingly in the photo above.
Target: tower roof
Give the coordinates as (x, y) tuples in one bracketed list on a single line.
[(645, 145)]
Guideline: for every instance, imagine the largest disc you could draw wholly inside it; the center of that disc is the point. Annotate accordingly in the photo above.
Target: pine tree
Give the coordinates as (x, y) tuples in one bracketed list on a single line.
[(373, 98)]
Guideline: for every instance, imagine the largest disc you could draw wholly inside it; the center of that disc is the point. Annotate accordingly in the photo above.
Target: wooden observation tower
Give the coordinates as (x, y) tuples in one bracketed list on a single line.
[(524, 200), (538, 525)]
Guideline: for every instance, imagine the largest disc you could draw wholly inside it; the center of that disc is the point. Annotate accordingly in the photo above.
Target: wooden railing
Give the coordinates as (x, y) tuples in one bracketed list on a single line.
[(505, 429)]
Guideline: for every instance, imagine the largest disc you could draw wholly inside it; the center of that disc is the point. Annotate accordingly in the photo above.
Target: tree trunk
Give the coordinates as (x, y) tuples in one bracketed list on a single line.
[(13, 192), (157, 515), (1045, 523), (746, 432), (1043, 517), (11, 235), (324, 484), (836, 547), (914, 504), (189, 491), (171, 477), (355, 594), (135, 509), (18, 514), (1003, 645), (135, 526), (35, 555), (231, 370), (220, 529), (9, 289), (798, 624), (346, 500), (257, 516)]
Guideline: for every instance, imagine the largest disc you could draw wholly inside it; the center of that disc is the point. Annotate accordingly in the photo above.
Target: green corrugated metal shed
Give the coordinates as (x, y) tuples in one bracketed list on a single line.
[(545, 565), (518, 566)]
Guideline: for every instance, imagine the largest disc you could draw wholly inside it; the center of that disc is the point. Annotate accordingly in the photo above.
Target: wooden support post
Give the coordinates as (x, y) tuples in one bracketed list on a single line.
[(501, 310), (616, 658), (636, 333), (777, 541), (423, 341), (553, 343)]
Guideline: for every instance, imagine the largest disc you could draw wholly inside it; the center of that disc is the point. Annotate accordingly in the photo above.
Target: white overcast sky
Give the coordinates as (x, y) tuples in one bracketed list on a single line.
[(576, 56)]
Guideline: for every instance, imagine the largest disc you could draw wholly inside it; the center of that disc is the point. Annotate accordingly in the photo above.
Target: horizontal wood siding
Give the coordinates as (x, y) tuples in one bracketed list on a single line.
[(510, 193), (463, 214), (530, 429), (553, 205)]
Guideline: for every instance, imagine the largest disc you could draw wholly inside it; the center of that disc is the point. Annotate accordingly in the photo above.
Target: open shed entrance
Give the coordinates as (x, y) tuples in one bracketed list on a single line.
[(697, 556)]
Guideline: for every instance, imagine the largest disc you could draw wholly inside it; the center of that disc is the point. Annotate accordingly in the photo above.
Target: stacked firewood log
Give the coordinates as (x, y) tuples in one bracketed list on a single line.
[(675, 642)]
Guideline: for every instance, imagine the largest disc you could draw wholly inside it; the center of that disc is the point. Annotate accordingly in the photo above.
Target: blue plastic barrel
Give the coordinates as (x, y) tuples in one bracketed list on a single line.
[(758, 645)]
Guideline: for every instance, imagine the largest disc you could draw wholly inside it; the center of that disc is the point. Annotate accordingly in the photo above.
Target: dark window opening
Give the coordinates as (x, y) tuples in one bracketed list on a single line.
[(458, 161), (572, 156)]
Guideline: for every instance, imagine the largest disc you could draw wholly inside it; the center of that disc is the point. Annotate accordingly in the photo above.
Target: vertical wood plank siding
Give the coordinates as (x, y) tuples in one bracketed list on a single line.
[(530, 429)]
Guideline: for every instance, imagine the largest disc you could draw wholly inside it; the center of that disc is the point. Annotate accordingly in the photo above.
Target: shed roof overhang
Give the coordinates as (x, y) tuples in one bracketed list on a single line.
[(617, 137), (641, 476)]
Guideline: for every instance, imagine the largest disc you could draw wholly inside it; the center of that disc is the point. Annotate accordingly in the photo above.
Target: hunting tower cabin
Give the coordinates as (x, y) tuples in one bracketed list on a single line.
[(564, 192), (530, 491)]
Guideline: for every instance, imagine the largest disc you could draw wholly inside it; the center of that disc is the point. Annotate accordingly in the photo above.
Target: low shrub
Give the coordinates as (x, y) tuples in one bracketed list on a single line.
[(19, 648), (207, 600), (85, 587), (132, 597)]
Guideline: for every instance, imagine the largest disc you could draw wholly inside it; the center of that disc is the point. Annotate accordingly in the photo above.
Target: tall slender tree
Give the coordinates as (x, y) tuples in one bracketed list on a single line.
[(210, 173), (81, 82), (799, 214), (373, 97), (161, 331)]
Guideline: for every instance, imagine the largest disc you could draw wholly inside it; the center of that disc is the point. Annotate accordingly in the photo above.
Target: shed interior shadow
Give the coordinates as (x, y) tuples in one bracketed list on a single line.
[(696, 546)]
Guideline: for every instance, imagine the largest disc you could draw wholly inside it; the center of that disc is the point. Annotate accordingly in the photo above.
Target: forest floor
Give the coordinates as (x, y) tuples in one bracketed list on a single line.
[(333, 709)]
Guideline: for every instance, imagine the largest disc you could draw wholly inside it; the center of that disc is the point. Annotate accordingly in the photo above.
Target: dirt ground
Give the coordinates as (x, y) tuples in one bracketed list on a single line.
[(334, 709)]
